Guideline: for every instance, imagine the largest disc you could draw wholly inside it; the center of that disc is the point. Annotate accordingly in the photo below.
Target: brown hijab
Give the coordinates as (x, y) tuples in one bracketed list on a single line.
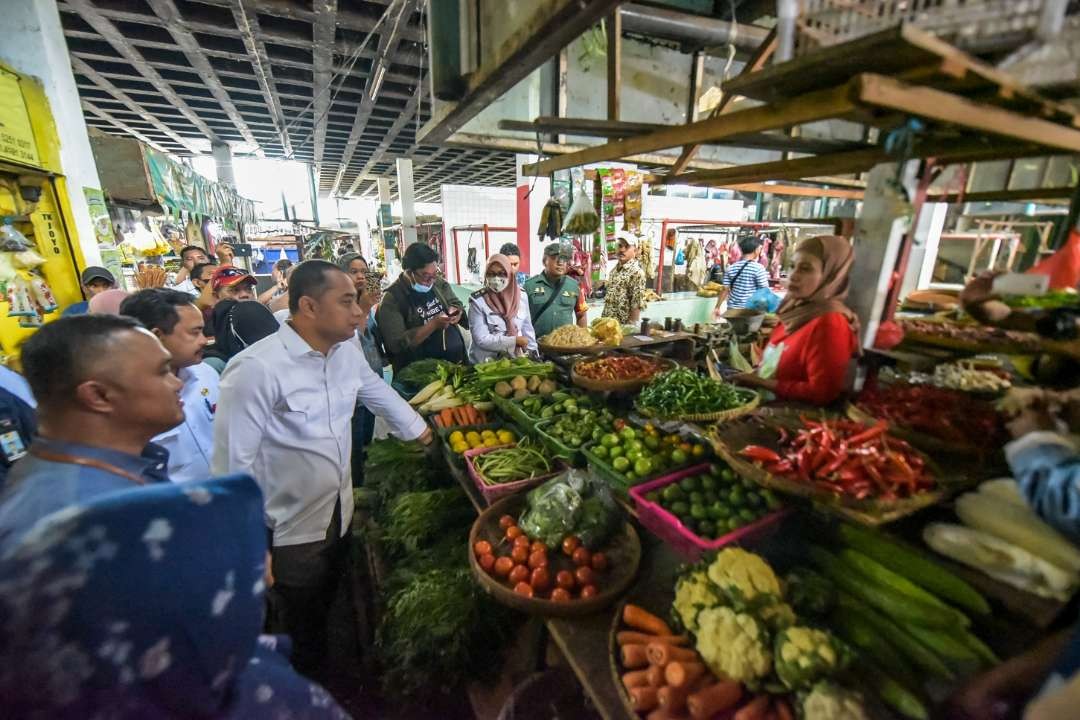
[(504, 303), (837, 257)]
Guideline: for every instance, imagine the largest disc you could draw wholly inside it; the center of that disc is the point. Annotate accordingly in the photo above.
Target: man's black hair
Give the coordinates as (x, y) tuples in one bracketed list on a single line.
[(155, 308), (510, 249), (418, 255), (196, 272), (188, 248), (283, 264), (310, 278), (56, 358), (749, 244)]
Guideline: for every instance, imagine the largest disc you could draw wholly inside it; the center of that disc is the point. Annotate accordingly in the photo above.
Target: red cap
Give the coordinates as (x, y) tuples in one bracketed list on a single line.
[(228, 275)]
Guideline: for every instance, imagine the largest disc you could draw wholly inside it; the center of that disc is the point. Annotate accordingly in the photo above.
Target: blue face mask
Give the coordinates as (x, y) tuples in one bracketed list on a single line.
[(418, 287)]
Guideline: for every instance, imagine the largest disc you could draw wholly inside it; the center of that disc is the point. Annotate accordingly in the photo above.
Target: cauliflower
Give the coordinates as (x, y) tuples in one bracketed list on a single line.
[(745, 578), (777, 615), (828, 701), (693, 592), (805, 655), (733, 645)]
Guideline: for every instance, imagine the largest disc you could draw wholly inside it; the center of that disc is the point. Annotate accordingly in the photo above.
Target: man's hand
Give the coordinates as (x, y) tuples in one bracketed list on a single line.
[(521, 341), (426, 438), (439, 322), (981, 303), (268, 571), (455, 316)]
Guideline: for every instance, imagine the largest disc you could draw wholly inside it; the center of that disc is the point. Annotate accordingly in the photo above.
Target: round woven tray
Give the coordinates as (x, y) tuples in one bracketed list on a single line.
[(922, 441), (616, 385), (623, 551), (753, 400), (573, 349)]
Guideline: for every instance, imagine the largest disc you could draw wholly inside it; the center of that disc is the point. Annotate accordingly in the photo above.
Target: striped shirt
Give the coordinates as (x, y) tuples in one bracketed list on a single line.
[(744, 283)]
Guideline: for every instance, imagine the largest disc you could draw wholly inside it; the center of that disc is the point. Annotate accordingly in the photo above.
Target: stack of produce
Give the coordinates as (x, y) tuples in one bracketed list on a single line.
[(1050, 301), (575, 429), (460, 442), (965, 376), (417, 374), (511, 464), (1003, 538), (714, 503), (710, 289), (519, 387), (641, 453), (619, 367), (680, 392), (607, 330), (557, 403), (948, 415), (569, 336), (471, 388), (969, 333), (847, 459), (490, 374)]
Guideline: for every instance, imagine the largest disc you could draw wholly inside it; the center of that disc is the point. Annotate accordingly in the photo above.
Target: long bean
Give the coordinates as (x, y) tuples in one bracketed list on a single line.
[(511, 464)]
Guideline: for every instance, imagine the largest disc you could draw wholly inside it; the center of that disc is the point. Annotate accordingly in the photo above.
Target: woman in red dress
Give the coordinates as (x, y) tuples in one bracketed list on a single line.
[(817, 335)]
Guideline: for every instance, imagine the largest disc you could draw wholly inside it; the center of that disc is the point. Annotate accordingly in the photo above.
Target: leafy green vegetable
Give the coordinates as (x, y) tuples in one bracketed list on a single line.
[(416, 518), (489, 373), (575, 503), (1051, 300), (681, 392), (420, 373), (394, 466)]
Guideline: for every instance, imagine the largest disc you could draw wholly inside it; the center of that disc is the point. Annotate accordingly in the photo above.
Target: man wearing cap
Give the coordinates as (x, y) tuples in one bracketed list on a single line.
[(94, 280), (554, 299), (625, 296), (232, 283)]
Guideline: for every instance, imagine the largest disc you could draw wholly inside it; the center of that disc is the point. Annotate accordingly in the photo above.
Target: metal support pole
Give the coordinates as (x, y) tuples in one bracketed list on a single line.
[(406, 195), (222, 154)]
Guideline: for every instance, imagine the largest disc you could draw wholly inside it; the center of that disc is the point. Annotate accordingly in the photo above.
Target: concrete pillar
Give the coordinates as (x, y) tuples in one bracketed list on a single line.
[(386, 219), (924, 247), (223, 163), (407, 197), (34, 45), (529, 207)]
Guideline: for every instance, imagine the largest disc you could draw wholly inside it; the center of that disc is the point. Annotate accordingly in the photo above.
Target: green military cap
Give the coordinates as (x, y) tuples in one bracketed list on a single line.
[(563, 252)]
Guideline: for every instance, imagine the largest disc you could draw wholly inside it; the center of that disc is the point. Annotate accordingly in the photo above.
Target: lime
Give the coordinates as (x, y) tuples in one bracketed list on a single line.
[(698, 512), (632, 455), (680, 508), (631, 477), (620, 464), (708, 482), (696, 498), (678, 457), (628, 433), (600, 451), (748, 515), (672, 493), (610, 440), (728, 474), (651, 442), (643, 466), (635, 445), (615, 451)]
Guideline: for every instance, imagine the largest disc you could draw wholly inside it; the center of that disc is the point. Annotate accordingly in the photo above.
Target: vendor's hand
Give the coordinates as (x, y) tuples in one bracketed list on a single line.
[(521, 341), (983, 698), (980, 302)]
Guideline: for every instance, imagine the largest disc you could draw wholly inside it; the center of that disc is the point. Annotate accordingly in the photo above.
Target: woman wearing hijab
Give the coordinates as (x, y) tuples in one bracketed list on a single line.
[(148, 603), (808, 353), (237, 325), (107, 303), (499, 315)]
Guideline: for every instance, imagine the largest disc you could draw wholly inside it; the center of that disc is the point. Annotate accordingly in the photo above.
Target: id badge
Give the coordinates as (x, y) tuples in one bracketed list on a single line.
[(11, 443)]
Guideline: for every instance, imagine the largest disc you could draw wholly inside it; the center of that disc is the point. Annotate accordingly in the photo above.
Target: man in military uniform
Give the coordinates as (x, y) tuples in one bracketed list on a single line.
[(555, 299)]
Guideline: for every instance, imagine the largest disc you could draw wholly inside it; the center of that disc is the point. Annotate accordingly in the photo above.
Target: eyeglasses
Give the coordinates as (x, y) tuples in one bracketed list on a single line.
[(426, 277)]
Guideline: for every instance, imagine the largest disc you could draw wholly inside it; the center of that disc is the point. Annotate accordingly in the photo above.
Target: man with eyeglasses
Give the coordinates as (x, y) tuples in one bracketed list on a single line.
[(554, 298), (419, 314)]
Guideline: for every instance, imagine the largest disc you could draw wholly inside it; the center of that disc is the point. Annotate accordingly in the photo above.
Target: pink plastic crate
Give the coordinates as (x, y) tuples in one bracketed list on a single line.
[(667, 527), (494, 492)]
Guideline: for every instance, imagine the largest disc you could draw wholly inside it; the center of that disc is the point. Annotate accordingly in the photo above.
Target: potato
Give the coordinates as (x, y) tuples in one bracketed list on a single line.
[(547, 387), (519, 383), (521, 393), (503, 389), (533, 383)]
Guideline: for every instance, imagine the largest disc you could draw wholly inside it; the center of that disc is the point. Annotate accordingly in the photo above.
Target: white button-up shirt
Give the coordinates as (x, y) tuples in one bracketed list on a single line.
[(191, 443), (284, 417), (488, 329)]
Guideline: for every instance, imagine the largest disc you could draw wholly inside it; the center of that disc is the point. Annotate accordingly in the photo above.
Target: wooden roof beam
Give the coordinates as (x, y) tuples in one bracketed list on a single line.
[(1004, 195), (797, 190), (322, 55), (244, 13)]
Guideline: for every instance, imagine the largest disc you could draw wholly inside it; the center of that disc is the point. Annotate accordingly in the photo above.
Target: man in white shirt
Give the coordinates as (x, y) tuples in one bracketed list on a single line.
[(178, 324), (190, 256), (284, 418)]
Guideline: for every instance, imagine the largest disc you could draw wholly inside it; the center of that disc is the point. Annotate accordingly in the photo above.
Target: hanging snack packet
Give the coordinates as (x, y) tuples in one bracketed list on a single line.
[(582, 218)]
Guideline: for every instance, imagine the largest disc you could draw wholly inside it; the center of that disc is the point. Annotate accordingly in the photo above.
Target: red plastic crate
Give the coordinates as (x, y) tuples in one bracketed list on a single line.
[(492, 493), (667, 527)]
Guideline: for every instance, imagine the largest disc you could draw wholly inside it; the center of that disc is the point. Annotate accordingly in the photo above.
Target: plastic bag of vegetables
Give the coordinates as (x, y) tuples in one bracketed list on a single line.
[(582, 218), (574, 503)]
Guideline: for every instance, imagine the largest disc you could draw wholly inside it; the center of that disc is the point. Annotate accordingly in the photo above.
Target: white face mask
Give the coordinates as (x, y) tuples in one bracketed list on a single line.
[(497, 283)]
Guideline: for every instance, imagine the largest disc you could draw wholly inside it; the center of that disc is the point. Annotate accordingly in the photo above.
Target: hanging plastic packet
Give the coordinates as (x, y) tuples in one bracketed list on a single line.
[(551, 220), (11, 240), (618, 183), (582, 218), (42, 294), (632, 203)]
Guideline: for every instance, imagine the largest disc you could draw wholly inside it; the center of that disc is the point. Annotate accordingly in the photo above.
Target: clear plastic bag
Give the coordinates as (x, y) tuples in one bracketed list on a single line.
[(581, 218), (574, 503)]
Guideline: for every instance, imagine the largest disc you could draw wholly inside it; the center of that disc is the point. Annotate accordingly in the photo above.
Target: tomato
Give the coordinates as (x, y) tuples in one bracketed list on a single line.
[(507, 521), (524, 588), (522, 541), (565, 580), (560, 595), (520, 573), (503, 566), (537, 546), (582, 557), (569, 544), (540, 579), (519, 554), (538, 559), (513, 532), (482, 547), (589, 591), (599, 562), (487, 561), (584, 576)]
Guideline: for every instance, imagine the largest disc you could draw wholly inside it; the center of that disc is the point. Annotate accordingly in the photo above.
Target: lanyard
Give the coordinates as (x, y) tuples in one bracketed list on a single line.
[(59, 457)]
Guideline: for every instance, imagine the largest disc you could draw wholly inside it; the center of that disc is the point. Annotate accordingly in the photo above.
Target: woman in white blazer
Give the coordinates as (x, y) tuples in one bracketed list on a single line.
[(499, 317)]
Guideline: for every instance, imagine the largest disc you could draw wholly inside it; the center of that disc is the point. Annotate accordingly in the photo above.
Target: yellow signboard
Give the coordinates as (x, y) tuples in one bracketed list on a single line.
[(16, 135)]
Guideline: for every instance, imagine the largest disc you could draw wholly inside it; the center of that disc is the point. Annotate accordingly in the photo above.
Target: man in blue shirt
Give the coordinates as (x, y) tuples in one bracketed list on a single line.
[(94, 280), (513, 254), (746, 276), (104, 388)]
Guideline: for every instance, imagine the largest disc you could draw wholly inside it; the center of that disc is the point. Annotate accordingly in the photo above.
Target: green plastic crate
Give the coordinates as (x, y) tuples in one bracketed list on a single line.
[(574, 456)]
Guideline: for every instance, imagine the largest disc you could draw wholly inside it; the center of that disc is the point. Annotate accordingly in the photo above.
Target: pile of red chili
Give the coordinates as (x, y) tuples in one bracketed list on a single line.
[(619, 367), (948, 415), (846, 458)]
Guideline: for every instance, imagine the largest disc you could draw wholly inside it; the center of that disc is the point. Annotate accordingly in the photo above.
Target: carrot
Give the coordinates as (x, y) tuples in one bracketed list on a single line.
[(436, 420), (672, 699), (756, 709), (656, 675), (662, 654), (483, 417), (460, 416), (447, 417), (642, 619), (627, 637), (680, 674), (634, 657), (783, 709), (643, 699), (714, 699), (661, 714), (635, 678)]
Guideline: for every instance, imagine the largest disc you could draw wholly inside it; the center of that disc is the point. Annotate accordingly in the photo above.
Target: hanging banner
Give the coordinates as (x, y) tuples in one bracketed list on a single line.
[(99, 216), (182, 189), (16, 133)]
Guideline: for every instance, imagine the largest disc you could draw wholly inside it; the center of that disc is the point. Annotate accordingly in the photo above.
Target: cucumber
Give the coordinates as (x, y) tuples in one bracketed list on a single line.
[(894, 694), (913, 565), (853, 581), (980, 648), (862, 635), (945, 645), (908, 646), (889, 580)]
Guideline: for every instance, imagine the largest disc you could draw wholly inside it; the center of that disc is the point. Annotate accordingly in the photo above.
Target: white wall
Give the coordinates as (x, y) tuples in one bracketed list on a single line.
[(474, 205), (33, 44)]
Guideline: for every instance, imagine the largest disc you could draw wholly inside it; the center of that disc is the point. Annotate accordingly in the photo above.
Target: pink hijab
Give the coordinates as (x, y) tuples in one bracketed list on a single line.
[(836, 256), (107, 303), (505, 303)]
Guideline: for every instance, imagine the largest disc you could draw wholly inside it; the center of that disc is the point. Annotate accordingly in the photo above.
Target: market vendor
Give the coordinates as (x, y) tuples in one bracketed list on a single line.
[(555, 298), (625, 297), (499, 316), (980, 301), (95, 280), (419, 315), (808, 354)]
